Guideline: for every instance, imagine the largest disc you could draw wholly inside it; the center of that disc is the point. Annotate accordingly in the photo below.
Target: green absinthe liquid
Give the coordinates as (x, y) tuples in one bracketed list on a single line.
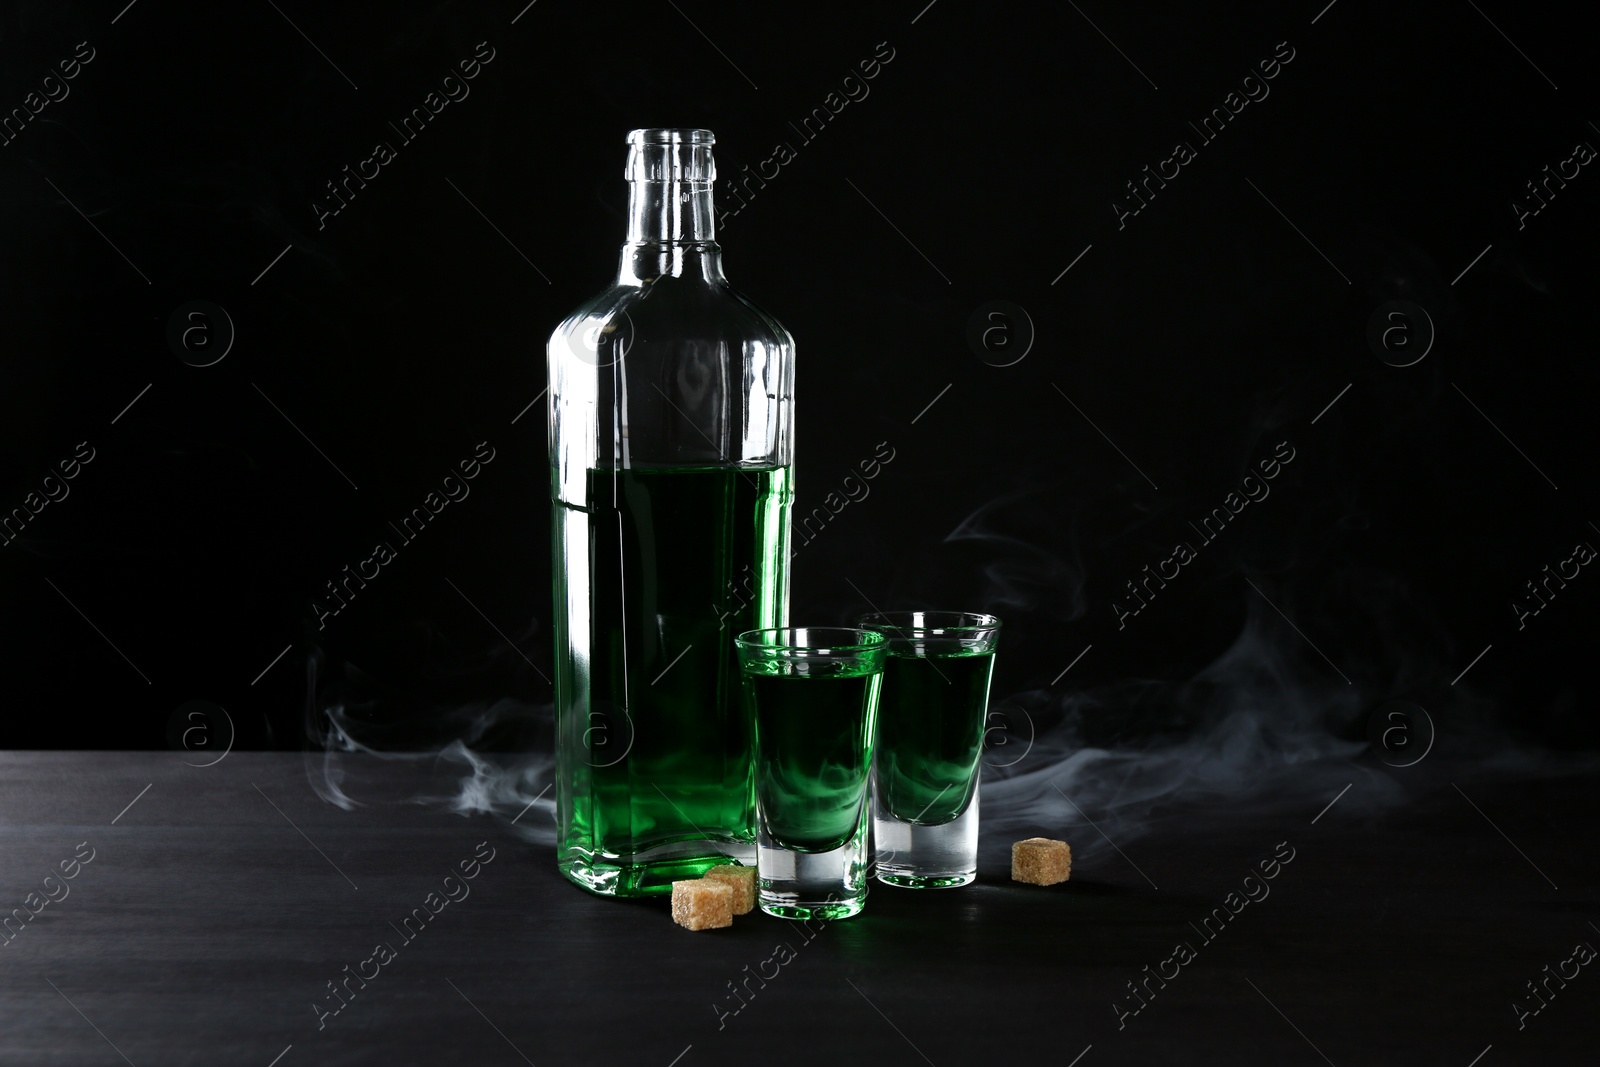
[(814, 744), (930, 734), (655, 579)]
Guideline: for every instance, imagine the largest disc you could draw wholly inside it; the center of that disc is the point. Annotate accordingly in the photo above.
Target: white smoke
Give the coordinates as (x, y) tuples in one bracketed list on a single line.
[(463, 775), (1261, 728)]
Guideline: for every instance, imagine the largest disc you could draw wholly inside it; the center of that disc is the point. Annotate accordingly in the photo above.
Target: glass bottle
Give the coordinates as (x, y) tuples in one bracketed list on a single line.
[(671, 451)]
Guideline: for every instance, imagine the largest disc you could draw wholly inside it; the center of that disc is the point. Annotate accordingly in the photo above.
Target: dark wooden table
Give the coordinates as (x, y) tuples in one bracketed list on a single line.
[(217, 908)]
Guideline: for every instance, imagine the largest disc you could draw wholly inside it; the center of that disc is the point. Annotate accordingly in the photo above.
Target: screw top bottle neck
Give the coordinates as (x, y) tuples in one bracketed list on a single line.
[(670, 175)]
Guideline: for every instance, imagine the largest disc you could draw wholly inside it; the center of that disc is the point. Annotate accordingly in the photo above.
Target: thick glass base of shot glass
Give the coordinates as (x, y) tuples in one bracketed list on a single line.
[(812, 885), (925, 857)]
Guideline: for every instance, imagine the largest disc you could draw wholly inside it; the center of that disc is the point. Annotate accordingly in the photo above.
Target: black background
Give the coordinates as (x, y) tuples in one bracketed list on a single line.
[(985, 160)]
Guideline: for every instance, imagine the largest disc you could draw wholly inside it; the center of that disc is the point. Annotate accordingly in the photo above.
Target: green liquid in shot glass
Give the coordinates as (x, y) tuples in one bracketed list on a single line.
[(813, 739), (930, 733)]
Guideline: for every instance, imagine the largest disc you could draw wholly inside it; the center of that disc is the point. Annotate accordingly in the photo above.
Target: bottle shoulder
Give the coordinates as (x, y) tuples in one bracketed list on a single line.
[(677, 307)]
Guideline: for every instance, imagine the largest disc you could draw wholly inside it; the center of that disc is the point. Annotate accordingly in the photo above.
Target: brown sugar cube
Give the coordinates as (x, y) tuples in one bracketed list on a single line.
[(742, 880), (698, 904), (1041, 861)]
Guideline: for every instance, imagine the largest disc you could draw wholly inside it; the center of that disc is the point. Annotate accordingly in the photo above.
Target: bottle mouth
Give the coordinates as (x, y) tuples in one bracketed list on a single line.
[(671, 155), (671, 136)]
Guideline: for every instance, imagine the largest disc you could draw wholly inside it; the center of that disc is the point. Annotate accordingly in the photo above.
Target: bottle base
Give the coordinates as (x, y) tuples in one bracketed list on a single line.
[(651, 873)]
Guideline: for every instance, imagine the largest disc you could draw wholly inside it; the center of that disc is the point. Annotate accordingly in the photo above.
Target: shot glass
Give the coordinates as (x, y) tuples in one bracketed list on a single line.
[(930, 738), (811, 694)]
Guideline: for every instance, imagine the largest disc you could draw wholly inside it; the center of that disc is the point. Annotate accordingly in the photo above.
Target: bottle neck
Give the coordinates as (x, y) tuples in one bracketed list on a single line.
[(670, 211), (671, 228), (670, 233)]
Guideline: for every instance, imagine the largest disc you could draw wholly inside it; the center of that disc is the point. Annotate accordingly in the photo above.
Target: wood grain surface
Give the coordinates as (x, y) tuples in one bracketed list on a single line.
[(219, 903)]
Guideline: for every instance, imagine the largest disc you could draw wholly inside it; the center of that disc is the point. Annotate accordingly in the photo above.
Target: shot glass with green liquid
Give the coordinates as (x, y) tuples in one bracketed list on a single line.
[(930, 736), (811, 696)]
